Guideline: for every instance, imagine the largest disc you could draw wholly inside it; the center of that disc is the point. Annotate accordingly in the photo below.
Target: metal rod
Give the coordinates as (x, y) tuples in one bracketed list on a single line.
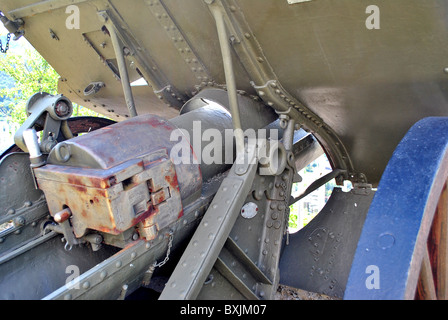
[(230, 76), (32, 144), (317, 184), (118, 48)]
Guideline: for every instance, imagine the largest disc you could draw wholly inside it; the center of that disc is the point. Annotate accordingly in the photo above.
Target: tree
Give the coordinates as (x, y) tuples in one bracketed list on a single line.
[(31, 74)]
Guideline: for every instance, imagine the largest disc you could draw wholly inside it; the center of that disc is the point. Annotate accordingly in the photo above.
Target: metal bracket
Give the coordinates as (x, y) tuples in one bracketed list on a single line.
[(141, 58), (49, 112)]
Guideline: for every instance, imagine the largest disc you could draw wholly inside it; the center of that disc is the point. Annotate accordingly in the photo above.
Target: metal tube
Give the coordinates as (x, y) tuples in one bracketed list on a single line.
[(230, 77), (118, 48), (32, 144)]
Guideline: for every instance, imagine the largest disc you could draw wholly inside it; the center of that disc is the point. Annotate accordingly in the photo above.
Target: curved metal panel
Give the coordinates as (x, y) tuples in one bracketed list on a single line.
[(367, 86)]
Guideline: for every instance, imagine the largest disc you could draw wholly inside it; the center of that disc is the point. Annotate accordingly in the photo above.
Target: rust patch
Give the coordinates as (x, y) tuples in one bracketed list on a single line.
[(152, 211), (172, 182), (80, 189), (158, 197)]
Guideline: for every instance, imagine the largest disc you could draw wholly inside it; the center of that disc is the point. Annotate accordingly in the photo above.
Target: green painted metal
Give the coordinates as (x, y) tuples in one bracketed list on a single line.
[(355, 86), (355, 76)]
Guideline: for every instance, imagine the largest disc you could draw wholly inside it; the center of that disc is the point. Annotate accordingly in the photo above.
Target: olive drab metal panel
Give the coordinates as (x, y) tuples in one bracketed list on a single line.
[(366, 73)]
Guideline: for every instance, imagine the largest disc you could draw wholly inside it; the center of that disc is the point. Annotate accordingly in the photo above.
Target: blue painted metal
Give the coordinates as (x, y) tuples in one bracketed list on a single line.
[(400, 216)]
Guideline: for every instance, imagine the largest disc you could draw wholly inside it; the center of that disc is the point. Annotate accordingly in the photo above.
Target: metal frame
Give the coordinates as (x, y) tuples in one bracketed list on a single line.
[(209, 238), (41, 7), (270, 90)]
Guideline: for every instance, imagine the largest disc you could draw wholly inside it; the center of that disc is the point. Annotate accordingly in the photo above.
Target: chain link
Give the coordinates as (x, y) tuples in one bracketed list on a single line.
[(167, 257), (8, 39)]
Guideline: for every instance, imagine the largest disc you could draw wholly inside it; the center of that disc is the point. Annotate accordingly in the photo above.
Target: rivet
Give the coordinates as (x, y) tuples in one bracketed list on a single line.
[(19, 221)]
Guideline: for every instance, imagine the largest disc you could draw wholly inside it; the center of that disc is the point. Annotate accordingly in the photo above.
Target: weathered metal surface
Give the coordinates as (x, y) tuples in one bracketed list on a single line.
[(393, 239), (128, 267), (351, 85), (98, 150), (22, 207), (117, 199), (357, 89)]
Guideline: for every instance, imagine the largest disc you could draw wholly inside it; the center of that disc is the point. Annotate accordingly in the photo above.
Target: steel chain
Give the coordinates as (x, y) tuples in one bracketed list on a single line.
[(8, 39), (167, 257)]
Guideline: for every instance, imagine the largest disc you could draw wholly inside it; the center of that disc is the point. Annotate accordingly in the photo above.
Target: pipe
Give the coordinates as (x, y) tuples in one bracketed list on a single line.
[(230, 77), (118, 48)]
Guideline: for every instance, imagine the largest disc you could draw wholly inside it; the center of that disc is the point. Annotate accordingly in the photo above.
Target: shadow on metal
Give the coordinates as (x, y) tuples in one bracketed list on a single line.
[(317, 257)]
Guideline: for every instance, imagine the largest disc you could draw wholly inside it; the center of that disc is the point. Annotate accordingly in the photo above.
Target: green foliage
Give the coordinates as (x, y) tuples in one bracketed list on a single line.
[(31, 74)]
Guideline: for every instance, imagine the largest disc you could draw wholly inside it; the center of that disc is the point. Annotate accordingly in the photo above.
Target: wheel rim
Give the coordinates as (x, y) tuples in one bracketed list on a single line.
[(433, 278), (404, 236)]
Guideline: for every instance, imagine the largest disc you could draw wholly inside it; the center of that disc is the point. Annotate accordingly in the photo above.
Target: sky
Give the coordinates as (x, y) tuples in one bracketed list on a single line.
[(15, 46)]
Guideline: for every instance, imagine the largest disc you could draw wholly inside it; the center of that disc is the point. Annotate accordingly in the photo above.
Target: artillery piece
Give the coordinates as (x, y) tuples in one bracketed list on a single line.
[(187, 190)]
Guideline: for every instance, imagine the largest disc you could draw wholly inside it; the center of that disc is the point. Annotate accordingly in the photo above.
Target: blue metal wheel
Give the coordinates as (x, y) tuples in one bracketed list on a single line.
[(402, 251)]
